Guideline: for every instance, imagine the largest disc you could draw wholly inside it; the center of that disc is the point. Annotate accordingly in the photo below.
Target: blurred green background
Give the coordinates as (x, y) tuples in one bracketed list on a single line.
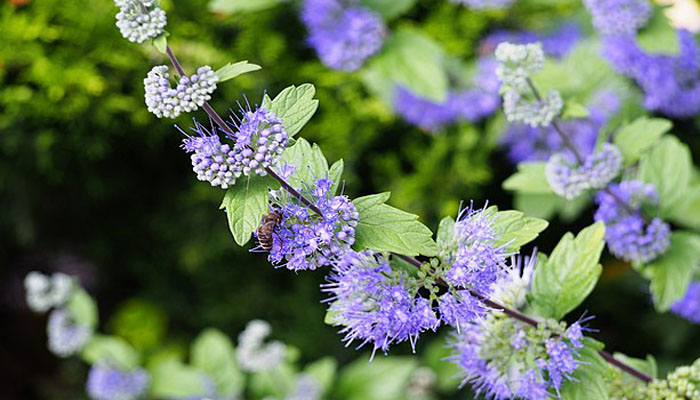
[(93, 185)]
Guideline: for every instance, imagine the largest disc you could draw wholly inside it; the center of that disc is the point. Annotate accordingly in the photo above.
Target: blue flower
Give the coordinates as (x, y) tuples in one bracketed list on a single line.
[(260, 140), (109, 383), (212, 161), (689, 306), (344, 36), (190, 93), (304, 240), (616, 17), (375, 304), (628, 235), (671, 84), (569, 179)]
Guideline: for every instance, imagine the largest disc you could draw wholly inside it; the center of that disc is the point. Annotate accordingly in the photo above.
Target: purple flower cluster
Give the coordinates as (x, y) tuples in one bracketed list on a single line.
[(258, 143), (619, 17), (476, 262), (471, 104), (628, 235), (689, 306), (570, 180), (189, 94), (106, 382), (304, 240), (66, 337), (485, 4), (503, 359), (344, 36), (376, 304), (671, 83)]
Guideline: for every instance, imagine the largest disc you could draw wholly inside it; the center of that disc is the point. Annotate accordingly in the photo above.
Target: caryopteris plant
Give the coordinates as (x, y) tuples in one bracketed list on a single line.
[(389, 278)]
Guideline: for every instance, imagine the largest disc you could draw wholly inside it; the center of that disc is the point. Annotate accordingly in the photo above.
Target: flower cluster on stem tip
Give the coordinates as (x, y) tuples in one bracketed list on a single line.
[(255, 356), (190, 93), (140, 20), (304, 240), (503, 358), (66, 336), (44, 292), (344, 36), (569, 179), (628, 234), (106, 382), (618, 17), (258, 140), (518, 63)]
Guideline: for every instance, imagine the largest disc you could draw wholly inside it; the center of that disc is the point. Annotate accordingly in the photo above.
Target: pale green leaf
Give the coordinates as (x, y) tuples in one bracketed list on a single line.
[(388, 8), (668, 166), (323, 371), (230, 71), (639, 135), (82, 307), (530, 178), (309, 163), (111, 349), (173, 380), (671, 274), (385, 228), (245, 204), (384, 378), (574, 109), (647, 366), (295, 106), (213, 353), (335, 173), (445, 230), (232, 6), (161, 42), (589, 381), (515, 229), (569, 274)]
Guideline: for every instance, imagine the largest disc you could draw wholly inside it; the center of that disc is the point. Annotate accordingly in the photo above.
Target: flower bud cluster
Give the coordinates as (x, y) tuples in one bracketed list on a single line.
[(628, 235), (503, 358), (44, 292), (304, 240), (518, 63), (190, 93), (258, 142), (66, 337), (570, 180), (255, 356), (140, 20)]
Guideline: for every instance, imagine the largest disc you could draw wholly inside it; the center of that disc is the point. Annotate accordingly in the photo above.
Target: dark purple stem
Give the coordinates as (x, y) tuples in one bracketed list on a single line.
[(532, 322), (579, 158), (226, 128)]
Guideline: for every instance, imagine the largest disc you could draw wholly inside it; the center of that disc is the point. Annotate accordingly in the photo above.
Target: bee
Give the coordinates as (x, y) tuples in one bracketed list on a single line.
[(266, 229)]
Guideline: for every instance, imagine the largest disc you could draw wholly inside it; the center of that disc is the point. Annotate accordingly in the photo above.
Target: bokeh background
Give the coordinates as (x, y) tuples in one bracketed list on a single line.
[(93, 185)]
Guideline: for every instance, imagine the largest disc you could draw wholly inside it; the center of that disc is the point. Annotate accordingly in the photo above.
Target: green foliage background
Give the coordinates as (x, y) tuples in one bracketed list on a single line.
[(91, 183)]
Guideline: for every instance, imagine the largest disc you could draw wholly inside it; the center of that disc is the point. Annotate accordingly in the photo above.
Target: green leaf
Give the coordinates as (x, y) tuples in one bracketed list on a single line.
[(384, 378), (335, 173), (161, 42), (639, 135), (323, 371), (295, 105), (589, 381), (689, 214), (213, 353), (573, 109), (412, 60), (112, 349), (530, 178), (647, 366), (309, 163), (659, 36), (329, 318), (230, 71), (245, 204), (669, 167), (671, 274), (232, 6), (385, 228), (569, 274), (173, 380), (82, 307), (515, 229), (389, 8), (445, 230)]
